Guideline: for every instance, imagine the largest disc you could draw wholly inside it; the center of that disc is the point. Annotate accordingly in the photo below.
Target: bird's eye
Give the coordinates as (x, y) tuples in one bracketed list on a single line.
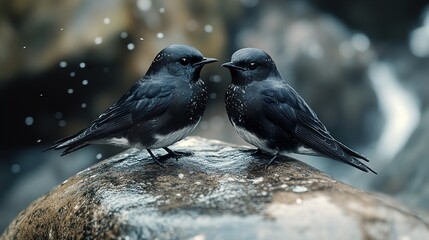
[(252, 65), (184, 61)]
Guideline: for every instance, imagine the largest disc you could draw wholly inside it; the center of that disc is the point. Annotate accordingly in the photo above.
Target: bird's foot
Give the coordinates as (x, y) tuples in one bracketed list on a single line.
[(257, 152), (265, 165), (175, 154), (156, 159)]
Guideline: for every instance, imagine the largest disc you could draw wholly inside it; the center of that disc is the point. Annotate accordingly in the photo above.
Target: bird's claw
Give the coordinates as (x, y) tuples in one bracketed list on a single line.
[(175, 154), (157, 160), (257, 152), (266, 164)]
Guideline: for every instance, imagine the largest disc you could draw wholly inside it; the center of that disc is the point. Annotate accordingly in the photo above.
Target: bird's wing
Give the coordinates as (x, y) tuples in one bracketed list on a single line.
[(142, 102), (289, 111)]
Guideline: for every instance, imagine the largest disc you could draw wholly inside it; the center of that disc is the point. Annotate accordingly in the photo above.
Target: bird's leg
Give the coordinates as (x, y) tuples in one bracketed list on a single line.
[(265, 165), (272, 159), (257, 152), (155, 158), (174, 154)]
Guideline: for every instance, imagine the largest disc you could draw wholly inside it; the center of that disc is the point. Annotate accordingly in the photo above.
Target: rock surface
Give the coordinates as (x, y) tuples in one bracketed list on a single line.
[(219, 192)]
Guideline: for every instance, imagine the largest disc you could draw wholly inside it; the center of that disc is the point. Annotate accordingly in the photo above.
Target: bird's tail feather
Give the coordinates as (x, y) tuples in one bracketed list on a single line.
[(352, 152), (73, 148), (69, 144), (354, 157)]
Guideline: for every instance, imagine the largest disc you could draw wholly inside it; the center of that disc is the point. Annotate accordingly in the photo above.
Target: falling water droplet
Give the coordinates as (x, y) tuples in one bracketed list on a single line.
[(63, 64), (98, 40), (15, 168), (106, 20), (124, 35), (130, 46), (208, 28), (29, 121)]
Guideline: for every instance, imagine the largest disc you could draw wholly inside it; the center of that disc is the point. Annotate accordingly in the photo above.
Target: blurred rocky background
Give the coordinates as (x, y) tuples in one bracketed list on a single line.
[(363, 66)]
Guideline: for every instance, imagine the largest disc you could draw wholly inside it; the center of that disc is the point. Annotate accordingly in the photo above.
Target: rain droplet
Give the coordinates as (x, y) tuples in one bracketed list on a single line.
[(124, 35), (99, 156), (315, 51), (162, 10), (130, 46), (98, 40), (85, 82), (360, 42), (72, 74), (83, 105), (160, 35), (15, 168), (62, 123), (144, 5), (106, 20), (61, 29), (141, 39), (29, 121), (82, 65), (213, 95), (70, 90), (41, 95), (215, 78), (38, 140), (24, 47), (181, 175), (63, 64), (58, 115), (208, 28)]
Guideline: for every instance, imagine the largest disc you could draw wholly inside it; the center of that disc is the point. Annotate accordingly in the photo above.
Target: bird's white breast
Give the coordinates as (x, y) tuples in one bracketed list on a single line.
[(161, 140), (171, 138), (254, 140)]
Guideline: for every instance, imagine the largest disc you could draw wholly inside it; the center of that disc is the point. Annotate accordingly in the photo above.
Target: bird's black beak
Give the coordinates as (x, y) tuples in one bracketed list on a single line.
[(204, 61), (230, 65)]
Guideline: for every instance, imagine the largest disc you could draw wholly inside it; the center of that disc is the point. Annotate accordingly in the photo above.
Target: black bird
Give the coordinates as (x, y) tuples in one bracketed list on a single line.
[(269, 114), (160, 109)]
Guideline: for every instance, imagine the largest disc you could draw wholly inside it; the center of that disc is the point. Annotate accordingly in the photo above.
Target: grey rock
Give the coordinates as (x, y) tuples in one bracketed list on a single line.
[(220, 192)]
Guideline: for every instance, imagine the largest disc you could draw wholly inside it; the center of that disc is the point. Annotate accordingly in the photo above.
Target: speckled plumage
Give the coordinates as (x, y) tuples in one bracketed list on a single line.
[(272, 116), (160, 109)]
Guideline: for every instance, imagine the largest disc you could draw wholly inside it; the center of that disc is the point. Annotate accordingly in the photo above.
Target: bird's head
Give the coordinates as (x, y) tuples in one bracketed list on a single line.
[(180, 61), (250, 64)]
